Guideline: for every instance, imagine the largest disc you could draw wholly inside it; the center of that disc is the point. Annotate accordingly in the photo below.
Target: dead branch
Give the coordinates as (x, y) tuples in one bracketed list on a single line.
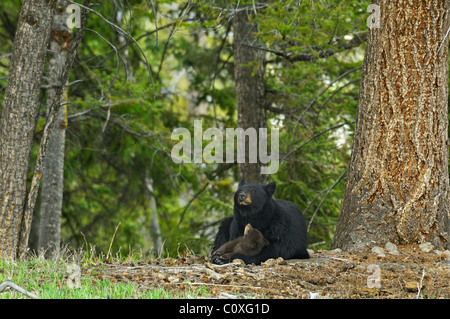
[(9, 284), (310, 139), (326, 195)]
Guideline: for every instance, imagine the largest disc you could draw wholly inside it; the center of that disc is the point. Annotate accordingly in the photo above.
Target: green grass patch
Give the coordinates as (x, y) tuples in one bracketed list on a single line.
[(70, 278)]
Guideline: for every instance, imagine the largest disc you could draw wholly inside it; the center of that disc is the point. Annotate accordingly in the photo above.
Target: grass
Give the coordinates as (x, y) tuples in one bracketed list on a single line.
[(62, 279)]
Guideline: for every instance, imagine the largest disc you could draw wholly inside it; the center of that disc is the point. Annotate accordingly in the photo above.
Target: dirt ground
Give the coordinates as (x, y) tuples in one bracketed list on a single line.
[(412, 273)]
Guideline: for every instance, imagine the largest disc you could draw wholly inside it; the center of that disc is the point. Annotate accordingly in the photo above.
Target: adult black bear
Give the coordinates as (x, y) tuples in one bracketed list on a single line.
[(281, 223), (249, 245)]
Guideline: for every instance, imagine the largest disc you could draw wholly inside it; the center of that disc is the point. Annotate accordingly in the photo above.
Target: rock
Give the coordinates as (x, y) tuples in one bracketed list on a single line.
[(213, 274), (313, 295), (334, 251), (272, 262), (269, 262), (392, 248), (411, 286), (379, 251), (238, 262), (445, 255), (426, 247), (310, 252), (346, 266), (173, 279), (317, 295)]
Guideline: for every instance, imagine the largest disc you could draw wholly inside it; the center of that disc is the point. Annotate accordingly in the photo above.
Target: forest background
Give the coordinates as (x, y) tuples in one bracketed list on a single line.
[(121, 187)]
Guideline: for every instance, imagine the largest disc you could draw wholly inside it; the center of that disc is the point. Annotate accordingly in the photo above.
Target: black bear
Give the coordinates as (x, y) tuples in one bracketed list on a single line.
[(281, 223), (249, 245)]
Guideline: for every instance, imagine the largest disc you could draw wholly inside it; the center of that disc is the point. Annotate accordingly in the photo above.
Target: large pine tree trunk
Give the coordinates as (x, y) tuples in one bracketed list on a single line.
[(53, 171), (20, 109), (397, 186), (249, 88)]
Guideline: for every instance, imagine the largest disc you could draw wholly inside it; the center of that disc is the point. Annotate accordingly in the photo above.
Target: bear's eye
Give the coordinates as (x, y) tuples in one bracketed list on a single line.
[(252, 191)]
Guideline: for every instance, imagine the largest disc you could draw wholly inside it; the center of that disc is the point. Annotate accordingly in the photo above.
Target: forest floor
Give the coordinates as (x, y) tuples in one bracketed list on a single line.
[(409, 273)]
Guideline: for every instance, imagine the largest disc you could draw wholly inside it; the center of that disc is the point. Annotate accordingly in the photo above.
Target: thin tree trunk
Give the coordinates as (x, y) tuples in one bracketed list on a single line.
[(53, 170), (54, 107), (250, 89), (154, 224), (124, 54), (397, 185), (20, 109)]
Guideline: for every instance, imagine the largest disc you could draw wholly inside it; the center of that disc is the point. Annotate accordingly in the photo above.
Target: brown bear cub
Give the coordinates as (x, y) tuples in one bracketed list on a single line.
[(250, 244)]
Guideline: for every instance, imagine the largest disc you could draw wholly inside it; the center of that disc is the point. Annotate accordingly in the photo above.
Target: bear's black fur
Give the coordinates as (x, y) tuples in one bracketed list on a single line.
[(281, 223), (249, 245)]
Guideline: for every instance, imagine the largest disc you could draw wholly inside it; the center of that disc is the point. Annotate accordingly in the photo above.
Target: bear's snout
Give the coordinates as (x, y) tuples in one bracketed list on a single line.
[(244, 198)]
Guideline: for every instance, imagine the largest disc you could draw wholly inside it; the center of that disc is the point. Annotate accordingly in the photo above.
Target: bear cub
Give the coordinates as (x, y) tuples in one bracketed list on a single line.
[(249, 245), (280, 222)]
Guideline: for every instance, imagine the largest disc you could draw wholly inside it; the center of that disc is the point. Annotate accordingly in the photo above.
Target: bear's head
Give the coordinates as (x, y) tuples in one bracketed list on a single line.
[(254, 237), (253, 197)]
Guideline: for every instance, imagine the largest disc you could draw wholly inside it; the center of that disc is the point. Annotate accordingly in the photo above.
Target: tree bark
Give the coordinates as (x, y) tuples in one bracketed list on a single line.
[(397, 185), (53, 169), (54, 108), (250, 91), (20, 109), (154, 223)]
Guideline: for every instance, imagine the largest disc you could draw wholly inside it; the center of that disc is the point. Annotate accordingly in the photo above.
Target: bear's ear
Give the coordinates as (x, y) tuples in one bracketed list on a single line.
[(270, 188), (241, 183)]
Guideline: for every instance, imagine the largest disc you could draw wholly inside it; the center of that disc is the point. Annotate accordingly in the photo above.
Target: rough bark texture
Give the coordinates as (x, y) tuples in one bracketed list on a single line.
[(54, 107), (249, 87), (53, 171), (18, 120), (397, 186)]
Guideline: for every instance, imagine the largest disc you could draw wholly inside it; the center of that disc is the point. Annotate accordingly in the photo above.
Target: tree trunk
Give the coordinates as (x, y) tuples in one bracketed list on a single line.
[(53, 169), (154, 224), (250, 90), (124, 53), (397, 185), (20, 109)]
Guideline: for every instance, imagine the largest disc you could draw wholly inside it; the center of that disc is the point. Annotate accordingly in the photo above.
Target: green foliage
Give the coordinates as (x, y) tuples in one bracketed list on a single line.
[(118, 134), (313, 81), (71, 277)]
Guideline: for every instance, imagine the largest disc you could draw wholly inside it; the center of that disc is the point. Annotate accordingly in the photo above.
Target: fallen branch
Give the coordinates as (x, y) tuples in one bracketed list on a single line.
[(218, 285), (419, 286), (9, 284), (190, 202)]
